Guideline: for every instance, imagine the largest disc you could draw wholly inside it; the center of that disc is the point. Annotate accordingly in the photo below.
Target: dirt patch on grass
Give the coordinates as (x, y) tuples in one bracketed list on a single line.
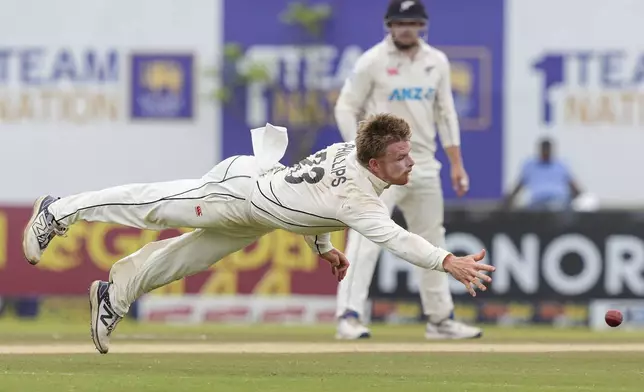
[(314, 348)]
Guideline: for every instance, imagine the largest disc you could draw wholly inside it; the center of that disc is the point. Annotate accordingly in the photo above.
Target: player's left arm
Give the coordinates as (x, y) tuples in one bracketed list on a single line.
[(446, 120), (321, 244)]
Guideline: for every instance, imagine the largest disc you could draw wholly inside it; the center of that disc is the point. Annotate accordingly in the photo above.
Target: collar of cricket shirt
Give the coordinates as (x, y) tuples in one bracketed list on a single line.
[(269, 146), (378, 184)]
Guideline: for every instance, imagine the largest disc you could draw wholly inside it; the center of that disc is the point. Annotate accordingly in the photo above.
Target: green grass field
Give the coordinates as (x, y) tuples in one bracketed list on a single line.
[(242, 358)]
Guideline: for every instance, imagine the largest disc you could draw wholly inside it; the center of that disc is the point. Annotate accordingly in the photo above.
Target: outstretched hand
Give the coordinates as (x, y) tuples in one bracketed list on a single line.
[(338, 261), (469, 271)]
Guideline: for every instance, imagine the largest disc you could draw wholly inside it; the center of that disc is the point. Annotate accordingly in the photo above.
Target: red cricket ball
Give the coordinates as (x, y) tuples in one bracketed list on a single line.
[(614, 318)]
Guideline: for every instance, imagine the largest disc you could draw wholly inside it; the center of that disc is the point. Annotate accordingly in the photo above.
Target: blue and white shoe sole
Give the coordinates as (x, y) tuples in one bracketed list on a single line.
[(36, 211), (94, 310)]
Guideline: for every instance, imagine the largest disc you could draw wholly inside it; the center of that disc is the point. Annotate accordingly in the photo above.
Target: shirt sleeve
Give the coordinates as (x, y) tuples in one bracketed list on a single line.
[(320, 243), (445, 114), (352, 98), (370, 217)]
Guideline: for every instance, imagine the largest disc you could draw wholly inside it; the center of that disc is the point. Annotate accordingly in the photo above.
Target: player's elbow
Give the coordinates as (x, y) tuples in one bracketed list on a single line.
[(346, 121), (343, 107), (393, 240), (449, 142), (449, 137)]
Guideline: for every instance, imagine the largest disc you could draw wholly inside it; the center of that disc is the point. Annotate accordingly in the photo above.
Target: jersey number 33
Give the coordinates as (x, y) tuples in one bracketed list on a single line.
[(307, 170)]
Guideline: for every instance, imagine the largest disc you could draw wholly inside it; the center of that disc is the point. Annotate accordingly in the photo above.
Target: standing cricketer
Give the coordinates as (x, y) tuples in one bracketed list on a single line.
[(405, 76)]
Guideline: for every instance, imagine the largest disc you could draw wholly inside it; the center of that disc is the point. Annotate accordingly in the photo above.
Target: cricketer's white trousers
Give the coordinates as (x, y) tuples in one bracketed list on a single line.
[(421, 203), (216, 205)]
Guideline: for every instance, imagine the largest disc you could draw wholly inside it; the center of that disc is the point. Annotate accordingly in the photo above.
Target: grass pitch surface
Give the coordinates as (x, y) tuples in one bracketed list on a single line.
[(52, 356)]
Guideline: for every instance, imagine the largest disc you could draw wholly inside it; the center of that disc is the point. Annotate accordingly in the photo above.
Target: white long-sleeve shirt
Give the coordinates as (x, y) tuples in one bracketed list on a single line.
[(330, 191), (385, 80)]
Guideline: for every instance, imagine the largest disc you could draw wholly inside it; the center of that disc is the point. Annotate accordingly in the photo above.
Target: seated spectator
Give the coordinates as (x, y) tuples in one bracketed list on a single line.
[(547, 180)]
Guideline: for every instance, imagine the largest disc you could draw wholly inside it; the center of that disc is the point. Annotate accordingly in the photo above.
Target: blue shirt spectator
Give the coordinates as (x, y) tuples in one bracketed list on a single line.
[(548, 181)]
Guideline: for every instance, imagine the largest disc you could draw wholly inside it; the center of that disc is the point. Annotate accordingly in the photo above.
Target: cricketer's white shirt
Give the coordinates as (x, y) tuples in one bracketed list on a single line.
[(385, 80), (330, 191)]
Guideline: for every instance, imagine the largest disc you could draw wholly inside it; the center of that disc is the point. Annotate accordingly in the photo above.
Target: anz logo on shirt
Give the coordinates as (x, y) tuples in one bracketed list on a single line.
[(412, 94)]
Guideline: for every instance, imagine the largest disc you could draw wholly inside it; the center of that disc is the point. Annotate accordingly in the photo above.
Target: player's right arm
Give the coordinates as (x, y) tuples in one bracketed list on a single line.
[(353, 96), (370, 217)]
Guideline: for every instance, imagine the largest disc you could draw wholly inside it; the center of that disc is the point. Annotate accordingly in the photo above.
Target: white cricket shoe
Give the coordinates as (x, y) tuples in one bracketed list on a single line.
[(450, 329), (103, 317), (350, 328), (40, 230)]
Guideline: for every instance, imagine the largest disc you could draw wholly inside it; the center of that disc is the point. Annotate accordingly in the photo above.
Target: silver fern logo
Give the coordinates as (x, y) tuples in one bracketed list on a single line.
[(405, 5)]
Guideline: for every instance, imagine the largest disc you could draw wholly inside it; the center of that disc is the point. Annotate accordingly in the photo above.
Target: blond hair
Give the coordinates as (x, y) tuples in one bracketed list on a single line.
[(377, 132)]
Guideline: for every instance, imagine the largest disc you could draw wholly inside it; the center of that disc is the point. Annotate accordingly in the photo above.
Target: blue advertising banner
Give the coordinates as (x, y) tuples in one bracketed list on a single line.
[(303, 74), (162, 86)]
